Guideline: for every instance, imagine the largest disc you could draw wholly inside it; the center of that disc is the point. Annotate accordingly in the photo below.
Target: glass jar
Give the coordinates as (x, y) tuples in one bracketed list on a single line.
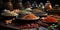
[(9, 6)]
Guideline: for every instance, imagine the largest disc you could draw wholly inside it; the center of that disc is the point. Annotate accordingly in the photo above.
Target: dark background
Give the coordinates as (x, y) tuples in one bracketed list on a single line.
[(38, 1), (53, 2)]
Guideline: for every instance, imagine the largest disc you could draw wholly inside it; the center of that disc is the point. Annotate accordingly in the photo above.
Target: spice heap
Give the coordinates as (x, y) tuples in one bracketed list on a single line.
[(9, 13), (30, 16), (32, 25), (50, 19)]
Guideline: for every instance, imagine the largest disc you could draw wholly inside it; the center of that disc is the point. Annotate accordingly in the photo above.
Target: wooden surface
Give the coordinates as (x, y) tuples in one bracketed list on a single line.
[(11, 26)]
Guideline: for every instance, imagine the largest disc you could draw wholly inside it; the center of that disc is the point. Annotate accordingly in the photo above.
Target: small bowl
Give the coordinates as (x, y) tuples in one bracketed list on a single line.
[(28, 19), (7, 18), (20, 20)]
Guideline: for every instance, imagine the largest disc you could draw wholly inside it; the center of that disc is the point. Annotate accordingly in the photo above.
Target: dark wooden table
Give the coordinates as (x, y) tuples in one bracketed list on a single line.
[(12, 27), (8, 27)]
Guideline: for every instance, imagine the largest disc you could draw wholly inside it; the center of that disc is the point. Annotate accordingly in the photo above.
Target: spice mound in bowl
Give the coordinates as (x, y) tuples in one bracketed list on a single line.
[(30, 17)]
